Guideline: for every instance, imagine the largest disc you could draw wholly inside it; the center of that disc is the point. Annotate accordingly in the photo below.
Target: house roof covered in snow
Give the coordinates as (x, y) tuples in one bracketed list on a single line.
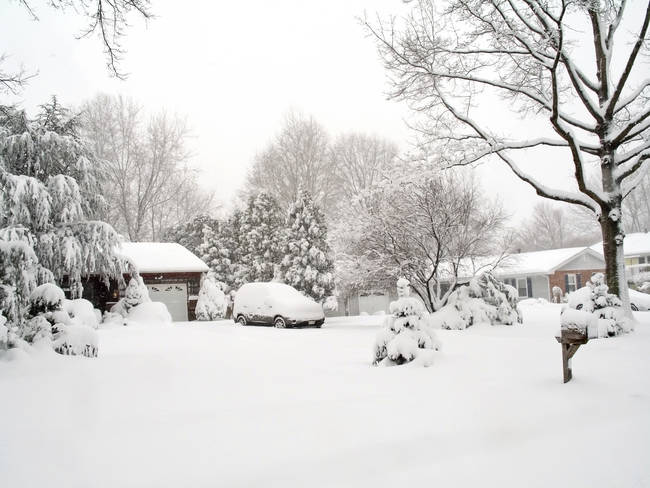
[(636, 244), (530, 263), (161, 257), (542, 262)]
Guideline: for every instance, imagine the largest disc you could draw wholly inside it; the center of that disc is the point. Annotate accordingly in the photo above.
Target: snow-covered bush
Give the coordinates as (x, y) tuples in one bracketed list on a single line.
[(483, 300), (331, 304), (76, 340), (594, 298), (136, 293), (82, 312), (150, 313), (48, 321), (212, 302), (4, 333), (406, 335)]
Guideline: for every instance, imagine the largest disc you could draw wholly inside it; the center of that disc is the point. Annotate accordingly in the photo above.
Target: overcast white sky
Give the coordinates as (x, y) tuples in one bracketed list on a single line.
[(234, 69)]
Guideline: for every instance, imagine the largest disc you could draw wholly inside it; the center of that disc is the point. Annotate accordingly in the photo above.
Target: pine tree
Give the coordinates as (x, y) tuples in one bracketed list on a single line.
[(48, 196), (406, 335), (221, 251), (307, 264), (260, 238), (192, 234)]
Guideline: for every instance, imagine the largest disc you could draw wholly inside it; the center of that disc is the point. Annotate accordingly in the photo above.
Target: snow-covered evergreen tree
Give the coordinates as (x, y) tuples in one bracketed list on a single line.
[(48, 196), (594, 298), (192, 234), (261, 226), (406, 335), (307, 264), (221, 250), (484, 299), (212, 303), (136, 293)]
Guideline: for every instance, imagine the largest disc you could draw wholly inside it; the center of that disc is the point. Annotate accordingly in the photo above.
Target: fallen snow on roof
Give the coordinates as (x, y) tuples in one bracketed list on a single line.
[(161, 257), (634, 244), (540, 262), (525, 263)]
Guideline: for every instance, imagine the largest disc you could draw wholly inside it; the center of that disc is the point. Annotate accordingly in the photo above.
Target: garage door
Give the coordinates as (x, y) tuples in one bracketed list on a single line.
[(372, 303), (174, 296)]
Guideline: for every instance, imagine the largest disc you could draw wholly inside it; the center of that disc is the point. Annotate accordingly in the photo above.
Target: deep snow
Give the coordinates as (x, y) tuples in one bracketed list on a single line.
[(218, 405)]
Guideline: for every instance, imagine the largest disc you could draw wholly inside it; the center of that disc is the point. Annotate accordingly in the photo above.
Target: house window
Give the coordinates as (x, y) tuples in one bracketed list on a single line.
[(571, 283), (522, 287)]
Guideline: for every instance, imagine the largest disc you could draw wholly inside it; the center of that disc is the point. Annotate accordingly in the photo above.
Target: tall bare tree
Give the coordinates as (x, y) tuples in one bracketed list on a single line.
[(360, 160), (297, 159), (146, 179), (553, 226), (636, 207), (576, 66), (432, 227)]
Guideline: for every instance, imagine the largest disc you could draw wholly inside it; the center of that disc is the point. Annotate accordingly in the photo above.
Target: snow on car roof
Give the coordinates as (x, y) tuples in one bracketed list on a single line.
[(635, 244), (161, 257)]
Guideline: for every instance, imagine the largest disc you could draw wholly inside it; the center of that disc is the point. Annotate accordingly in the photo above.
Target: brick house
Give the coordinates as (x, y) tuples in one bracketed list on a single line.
[(534, 274)]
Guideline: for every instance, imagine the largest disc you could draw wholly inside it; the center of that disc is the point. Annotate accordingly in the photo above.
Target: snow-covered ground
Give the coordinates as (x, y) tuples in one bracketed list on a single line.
[(218, 405)]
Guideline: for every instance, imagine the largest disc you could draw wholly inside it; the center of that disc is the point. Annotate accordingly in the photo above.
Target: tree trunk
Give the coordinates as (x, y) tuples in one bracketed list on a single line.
[(613, 235)]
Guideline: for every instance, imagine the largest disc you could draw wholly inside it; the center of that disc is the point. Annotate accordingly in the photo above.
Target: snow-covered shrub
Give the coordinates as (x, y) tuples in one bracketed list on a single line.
[(76, 340), (212, 303), (82, 312), (46, 298), (557, 294), (331, 304), (483, 300), (136, 293), (406, 335), (594, 298), (150, 313)]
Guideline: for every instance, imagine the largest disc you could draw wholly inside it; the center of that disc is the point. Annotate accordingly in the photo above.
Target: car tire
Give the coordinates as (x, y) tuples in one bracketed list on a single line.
[(279, 322), (634, 307), (241, 320)]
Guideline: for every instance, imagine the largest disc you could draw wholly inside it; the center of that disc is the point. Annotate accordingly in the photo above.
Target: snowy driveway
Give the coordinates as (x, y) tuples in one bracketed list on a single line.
[(218, 405)]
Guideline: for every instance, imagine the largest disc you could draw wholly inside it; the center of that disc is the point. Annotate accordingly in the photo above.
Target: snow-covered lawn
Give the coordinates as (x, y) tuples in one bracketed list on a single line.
[(219, 405)]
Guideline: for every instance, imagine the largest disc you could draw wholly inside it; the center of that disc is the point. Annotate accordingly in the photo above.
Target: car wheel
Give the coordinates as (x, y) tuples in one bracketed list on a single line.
[(280, 323), (634, 307), (241, 320)]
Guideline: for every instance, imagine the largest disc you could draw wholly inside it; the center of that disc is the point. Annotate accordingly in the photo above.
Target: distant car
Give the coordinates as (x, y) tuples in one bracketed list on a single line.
[(639, 301), (275, 304)]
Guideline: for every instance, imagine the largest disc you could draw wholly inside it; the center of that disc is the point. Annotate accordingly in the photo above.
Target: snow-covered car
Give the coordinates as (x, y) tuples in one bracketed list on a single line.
[(639, 301), (275, 304)]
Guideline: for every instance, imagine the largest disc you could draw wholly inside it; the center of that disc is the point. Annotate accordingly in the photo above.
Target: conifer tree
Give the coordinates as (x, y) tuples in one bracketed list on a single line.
[(192, 234), (307, 264), (47, 198), (260, 238), (221, 251)]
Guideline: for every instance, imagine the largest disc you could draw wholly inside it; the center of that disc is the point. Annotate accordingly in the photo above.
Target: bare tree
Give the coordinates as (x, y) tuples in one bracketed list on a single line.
[(106, 18), (636, 207), (146, 180), (360, 160), (553, 226), (297, 159), (529, 57), (431, 227)]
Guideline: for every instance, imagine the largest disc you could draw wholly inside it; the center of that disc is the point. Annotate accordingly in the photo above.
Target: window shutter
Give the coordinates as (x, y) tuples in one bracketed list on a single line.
[(566, 283), (578, 280), (529, 286)]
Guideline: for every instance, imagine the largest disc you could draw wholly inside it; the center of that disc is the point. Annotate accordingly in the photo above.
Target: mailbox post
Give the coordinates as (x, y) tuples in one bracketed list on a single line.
[(570, 340)]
